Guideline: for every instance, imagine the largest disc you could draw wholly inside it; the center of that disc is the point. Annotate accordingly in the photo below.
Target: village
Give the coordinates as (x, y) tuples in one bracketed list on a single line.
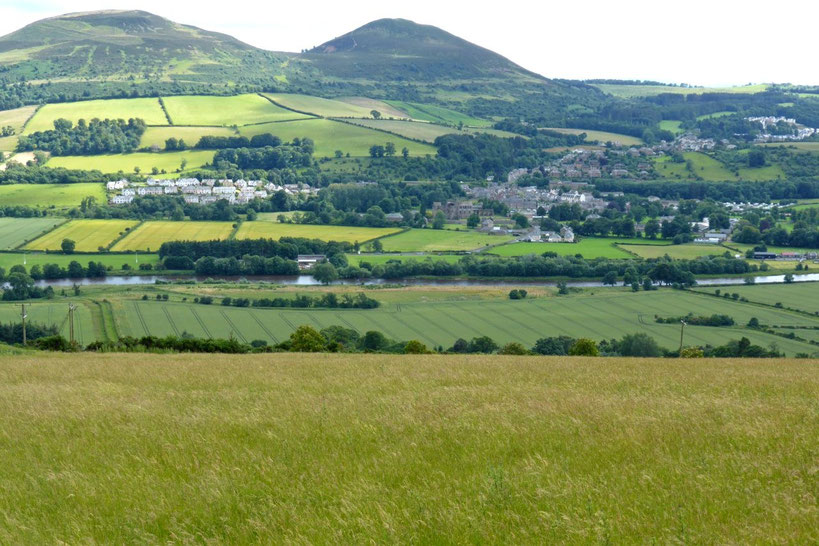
[(203, 192)]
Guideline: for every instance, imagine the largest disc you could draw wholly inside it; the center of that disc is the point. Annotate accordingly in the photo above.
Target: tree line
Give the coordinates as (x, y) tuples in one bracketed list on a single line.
[(96, 137)]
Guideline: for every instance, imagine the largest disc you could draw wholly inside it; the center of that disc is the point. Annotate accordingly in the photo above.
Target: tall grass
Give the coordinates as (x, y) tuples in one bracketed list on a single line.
[(355, 449)]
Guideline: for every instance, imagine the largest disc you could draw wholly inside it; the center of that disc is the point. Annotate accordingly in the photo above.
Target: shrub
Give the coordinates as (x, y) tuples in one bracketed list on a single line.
[(513, 348), (306, 340), (415, 347), (691, 352), (584, 347)]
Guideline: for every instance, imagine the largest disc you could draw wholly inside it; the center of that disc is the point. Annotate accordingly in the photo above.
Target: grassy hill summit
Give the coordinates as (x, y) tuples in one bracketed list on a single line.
[(412, 50)]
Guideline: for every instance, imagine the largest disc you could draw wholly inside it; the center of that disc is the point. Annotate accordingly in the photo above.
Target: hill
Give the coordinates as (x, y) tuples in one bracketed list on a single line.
[(328, 448)]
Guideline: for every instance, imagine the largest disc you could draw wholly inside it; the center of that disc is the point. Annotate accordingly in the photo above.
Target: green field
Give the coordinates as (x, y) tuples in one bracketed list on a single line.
[(757, 174), (630, 91), (368, 104), (151, 235), (275, 230), (431, 240), (588, 247), (715, 115), (116, 261), (15, 232), (146, 161), (686, 251), (89, 235), (330, 136), (318, 106), (156, 136), (48, 195), (54, 312), (381, 259), (356, 449), (227, 111), (800, 146), (674, 126), (15, 118), (437, 114), (702, 166), (425, 131), (599, 136), (802, 296), (147, 109)]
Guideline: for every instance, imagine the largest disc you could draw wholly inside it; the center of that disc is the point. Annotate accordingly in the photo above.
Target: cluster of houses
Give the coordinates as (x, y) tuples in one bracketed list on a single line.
[(786, 256), (799, 132), (193, 190)]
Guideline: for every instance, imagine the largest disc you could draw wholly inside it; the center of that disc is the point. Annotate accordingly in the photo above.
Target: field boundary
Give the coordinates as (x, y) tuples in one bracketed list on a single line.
[(165, 111), (385, 131), (274, 103), (42, 234), (125, 234)]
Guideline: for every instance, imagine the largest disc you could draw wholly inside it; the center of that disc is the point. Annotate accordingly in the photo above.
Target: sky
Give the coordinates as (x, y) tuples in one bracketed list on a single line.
[(699, 42)]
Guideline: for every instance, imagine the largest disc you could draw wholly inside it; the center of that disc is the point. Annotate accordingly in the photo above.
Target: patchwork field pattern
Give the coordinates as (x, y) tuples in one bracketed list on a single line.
[(424, 131), (88, 235), (151, 235)]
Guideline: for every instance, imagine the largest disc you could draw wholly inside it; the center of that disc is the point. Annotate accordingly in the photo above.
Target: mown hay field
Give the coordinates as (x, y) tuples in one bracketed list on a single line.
[(151, 235), (47, 195), (88, 235), (276, 230), (381, 448)]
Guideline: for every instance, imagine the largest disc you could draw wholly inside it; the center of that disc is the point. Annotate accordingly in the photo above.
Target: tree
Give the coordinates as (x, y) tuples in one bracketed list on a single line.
[(405, 152), (389, 149), (562, 288), (325, 272), (376, 151), (68, 246), (584, 347), (639, 344), (375, 114), (520, 221), (789, 278), (439, 220), (692, 352), (415, 347), (756, 158), (553, 345), (306, 340), (513, 348), (610, 278), (652, 228), (378, 246), (473, 220), (373, 341), (482, 344)]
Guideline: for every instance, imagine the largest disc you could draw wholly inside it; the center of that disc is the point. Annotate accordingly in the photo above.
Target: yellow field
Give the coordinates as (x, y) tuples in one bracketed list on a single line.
[(147, 109), (600, 136), (89, 235), (151, 235), (270, 230), (145, 161)]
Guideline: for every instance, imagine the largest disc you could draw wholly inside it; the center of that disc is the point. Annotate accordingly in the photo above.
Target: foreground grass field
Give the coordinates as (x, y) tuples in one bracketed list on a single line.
[(151, 235), (385, 449), (48, 195), (15, 232), (88, 235), (275, 230)]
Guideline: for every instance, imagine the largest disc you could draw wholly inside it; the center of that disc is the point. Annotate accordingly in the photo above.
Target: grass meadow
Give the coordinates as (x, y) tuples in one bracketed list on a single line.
[(630, 91), (291, 448), (227, 111), (156, 136), (438, 114), (329, 136), (801, 296), (15, 118), (318, 106), (433, 240), (150, 235), (89, 235), (424, 131), (386, 110), (147, 109), (276, 230), (600, 136), (687, 251), (145, 161), (672, 125), (588, 247), (15, 232), (50, 195), (116, 261)]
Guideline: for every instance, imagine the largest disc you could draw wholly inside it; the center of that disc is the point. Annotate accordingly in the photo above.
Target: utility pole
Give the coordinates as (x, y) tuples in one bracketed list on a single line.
[(71, 308), (23, 316), (682, 330)]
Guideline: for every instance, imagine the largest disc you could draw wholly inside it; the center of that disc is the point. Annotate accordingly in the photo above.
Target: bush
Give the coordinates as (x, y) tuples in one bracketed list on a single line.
[(639, 344), (415, 347), (513, 348), (584, 347), (691, 352), (306, 340)]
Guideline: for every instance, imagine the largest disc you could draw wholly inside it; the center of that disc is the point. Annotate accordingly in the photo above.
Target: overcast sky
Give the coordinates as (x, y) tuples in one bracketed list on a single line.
[(703, 42)]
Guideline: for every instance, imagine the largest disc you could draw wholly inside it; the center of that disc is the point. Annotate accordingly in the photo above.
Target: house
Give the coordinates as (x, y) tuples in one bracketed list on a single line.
[(307, 261), (764, 255), (394, 217), (567, 234)]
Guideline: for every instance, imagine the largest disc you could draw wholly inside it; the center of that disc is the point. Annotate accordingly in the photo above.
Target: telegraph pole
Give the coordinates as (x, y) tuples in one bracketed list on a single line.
[(23, 316), (71, 308), (682, 330)]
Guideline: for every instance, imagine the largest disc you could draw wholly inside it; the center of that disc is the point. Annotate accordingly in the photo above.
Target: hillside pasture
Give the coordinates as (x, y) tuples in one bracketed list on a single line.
[(630, 91), (15, 119), (170, 162), (432, 240), (328, 108), (671, 125), (225, 111), (147, 109), (150, 235), (758, 174), (15, 232), (329, 136), (89, 235), (348, 234), (50, 195), (156, 136), (599, 136), (438, 114), (386, 110), (802, 296), (809, 147), (589, 248), (425, 131), (446, 449)]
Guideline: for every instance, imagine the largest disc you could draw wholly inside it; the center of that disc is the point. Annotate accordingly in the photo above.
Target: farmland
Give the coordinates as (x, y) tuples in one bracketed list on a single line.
[(15, 232), (430, 240), (145, 161), (386, 110), (630, 91), (151, 235), (674, 126), (381, 259), (330, 136), (590, 248), (115, 261), (424, 131), (802, 296), (271, 230), (524, 449), (147, 109), (321, 107), (156, 136), (227, 111), (599, 136), (89, 235), (687, 251), (48, 195), (437, 114), (15, 119)]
